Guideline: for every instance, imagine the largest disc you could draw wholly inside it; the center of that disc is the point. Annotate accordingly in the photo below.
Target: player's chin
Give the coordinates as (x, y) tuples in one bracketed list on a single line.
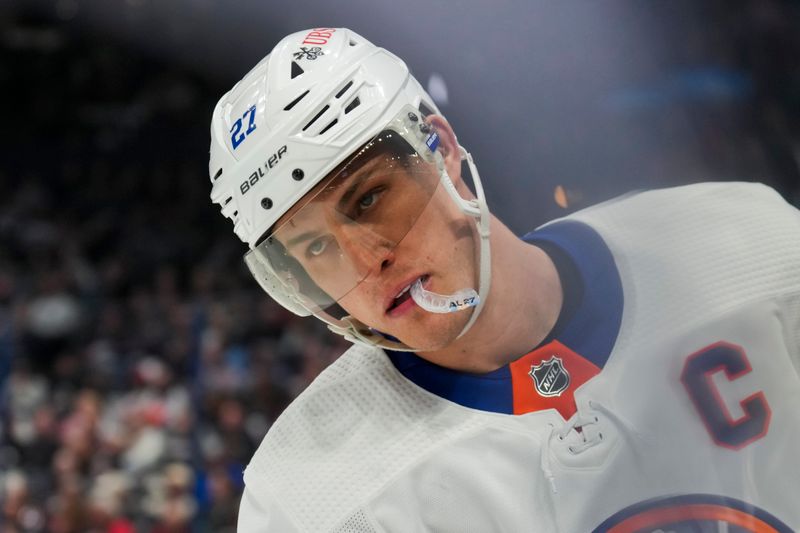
[(434, 332)]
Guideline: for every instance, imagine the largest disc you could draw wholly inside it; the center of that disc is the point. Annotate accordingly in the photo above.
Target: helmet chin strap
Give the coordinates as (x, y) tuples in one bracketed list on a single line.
[(478, 210)]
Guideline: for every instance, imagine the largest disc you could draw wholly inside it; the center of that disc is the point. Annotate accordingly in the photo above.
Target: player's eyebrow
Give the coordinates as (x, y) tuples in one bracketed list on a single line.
[(294, 241), (352, 187)]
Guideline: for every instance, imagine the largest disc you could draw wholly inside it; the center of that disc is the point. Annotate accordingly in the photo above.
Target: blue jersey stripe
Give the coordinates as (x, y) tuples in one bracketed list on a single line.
[(594, 324), (487, 392)]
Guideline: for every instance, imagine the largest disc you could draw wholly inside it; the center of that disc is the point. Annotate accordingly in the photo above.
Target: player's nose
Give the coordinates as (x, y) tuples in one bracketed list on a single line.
[(369, 252)]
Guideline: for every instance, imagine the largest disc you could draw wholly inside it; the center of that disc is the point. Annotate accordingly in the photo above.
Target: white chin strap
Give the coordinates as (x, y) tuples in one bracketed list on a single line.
[(478, 210), (467, 297)]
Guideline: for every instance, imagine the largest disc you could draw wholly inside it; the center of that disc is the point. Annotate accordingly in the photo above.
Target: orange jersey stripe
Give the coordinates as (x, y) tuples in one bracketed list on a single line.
[(546, 378), (671, 515)]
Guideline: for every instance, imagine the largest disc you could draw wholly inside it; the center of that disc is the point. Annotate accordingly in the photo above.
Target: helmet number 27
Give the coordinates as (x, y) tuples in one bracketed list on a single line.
[(237, 136)]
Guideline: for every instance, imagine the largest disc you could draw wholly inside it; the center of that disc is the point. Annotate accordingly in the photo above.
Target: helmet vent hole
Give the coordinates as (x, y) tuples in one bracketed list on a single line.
[(313, 120), (297, 70), (425, 110), (344, 89), (217, 175), (353, 42), (235, 213), (228, 200), (295, 101), (352, 105), (329, 126)]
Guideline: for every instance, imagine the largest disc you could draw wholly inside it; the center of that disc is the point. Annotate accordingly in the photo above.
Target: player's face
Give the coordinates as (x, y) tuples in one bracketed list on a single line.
[(379, 230)]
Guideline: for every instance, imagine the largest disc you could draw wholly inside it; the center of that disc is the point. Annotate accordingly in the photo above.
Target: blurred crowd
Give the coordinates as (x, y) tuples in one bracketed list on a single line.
[(135, 405), (140, 365)]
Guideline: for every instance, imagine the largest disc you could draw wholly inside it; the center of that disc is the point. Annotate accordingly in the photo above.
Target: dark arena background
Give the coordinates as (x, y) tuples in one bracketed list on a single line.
[(139, 363)]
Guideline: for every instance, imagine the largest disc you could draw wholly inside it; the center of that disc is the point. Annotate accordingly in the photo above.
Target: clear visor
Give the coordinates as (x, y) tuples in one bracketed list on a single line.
[(347, 227)]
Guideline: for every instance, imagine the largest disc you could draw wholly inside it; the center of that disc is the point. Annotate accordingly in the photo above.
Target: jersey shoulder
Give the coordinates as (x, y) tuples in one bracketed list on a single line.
[(735, 203), (352, 431), (692, 253)]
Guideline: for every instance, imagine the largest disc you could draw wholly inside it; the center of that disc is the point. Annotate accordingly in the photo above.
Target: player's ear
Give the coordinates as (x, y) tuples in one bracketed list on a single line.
[(448, 147)]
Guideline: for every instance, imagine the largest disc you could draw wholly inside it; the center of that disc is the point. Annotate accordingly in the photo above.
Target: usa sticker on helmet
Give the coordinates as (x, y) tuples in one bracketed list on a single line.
[(433, 141)]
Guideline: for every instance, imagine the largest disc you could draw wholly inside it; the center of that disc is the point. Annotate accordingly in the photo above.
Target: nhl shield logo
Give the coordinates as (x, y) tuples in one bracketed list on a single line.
[(550, 377)]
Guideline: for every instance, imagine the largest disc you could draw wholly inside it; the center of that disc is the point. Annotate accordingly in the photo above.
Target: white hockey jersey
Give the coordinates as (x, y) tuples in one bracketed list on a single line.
[(667, 397)]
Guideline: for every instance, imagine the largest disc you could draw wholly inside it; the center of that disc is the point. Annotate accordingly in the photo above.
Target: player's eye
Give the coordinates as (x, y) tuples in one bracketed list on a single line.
[(369, 199), (317, 246)]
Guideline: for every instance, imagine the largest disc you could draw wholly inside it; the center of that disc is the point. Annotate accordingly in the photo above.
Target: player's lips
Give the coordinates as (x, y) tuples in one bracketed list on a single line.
[(400, 297)]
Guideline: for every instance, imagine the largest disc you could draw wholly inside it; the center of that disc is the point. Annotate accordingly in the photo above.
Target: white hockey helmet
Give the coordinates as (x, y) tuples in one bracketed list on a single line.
[(301, 112)]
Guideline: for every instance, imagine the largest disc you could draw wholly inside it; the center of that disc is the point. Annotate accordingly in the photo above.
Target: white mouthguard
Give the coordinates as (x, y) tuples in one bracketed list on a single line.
[(440, 303)]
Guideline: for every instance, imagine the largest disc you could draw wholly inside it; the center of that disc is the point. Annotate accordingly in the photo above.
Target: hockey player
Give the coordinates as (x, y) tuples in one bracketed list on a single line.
[(631, 367)]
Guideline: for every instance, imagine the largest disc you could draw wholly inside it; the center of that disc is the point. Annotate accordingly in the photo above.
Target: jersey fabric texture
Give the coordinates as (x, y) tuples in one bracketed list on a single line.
[(666, 397)]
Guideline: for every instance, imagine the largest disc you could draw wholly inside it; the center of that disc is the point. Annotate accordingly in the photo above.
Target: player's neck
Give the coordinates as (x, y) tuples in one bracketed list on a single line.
[(522, 307)]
